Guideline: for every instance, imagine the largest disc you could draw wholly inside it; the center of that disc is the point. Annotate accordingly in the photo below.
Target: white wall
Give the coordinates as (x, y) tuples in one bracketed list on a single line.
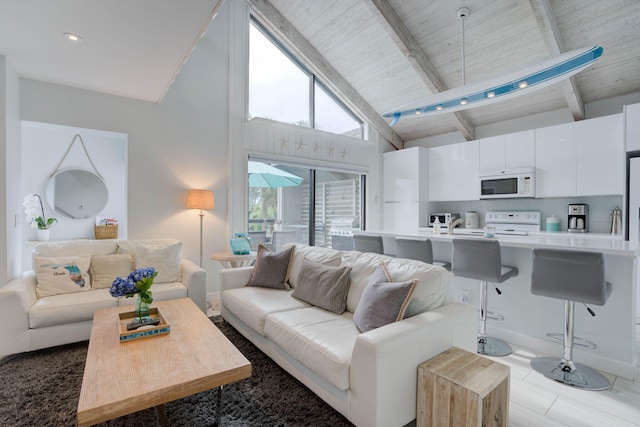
[(174, 145), (10, 234), (43, 147)]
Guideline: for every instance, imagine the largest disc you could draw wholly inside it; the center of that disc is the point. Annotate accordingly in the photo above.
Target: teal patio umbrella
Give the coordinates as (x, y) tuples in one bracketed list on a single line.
[(264, 175)]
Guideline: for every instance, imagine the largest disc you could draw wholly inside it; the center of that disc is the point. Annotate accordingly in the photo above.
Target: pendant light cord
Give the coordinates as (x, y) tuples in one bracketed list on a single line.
[(462, 17)]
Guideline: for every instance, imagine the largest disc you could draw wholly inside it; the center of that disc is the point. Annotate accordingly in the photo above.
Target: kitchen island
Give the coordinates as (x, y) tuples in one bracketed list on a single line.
[(528, 318)]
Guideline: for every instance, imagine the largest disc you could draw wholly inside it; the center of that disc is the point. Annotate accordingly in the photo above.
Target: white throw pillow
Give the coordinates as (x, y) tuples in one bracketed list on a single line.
[(165, 258), (62, 275), (105, 269)]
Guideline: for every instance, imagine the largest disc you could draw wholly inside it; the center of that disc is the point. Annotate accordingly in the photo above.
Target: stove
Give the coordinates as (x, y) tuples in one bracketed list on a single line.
[(518, 223)]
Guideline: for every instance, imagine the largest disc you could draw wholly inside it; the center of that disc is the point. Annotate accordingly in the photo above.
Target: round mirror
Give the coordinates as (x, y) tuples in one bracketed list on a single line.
[(76, 193)]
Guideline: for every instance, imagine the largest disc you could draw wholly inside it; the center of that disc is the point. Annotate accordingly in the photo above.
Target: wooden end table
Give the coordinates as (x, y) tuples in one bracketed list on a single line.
[(231, 260), (122, 378), (459, 388)]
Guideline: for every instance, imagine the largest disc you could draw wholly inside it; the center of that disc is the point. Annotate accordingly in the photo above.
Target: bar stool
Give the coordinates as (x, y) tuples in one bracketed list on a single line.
[(480, 259), (571, 276), (421, 250), (364, 243)]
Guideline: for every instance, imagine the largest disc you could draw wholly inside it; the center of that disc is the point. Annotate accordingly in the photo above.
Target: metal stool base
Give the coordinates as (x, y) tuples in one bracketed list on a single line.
[(578, 376), (490, 346), (581, 342)]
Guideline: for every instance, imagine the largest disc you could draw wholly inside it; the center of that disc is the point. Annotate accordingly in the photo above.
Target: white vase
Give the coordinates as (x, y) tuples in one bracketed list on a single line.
[(43, 235)]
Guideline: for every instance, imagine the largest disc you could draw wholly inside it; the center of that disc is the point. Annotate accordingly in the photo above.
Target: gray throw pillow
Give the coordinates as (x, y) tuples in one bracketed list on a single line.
[(382, 301), (322, 285), (271, 270)]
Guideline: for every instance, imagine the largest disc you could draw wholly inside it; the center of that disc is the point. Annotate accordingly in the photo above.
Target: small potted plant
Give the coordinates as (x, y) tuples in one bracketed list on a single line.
[(34, 212)]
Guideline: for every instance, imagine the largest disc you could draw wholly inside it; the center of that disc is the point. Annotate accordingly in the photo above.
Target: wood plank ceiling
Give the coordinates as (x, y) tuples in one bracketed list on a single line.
[(393, 52)]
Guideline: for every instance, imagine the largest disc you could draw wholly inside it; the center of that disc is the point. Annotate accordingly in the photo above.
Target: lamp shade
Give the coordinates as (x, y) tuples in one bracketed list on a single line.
[(200, 199)]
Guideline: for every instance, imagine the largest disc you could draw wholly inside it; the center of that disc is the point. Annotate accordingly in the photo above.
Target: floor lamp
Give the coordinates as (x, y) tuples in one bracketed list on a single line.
[(203, 200)]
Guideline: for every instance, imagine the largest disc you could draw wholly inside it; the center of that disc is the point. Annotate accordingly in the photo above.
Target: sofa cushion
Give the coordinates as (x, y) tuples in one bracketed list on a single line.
[(430, 291), (165, 258), (105, 269), (253, 304), (160, 292), (324, 286), (62, 275), (74, 248), (383, 301), (167, 253), (69, 308), (317, 254), (271, 269), (320, 340)]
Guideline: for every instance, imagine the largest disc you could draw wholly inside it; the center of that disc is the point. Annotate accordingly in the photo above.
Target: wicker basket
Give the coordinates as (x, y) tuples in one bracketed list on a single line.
[(106, 232)]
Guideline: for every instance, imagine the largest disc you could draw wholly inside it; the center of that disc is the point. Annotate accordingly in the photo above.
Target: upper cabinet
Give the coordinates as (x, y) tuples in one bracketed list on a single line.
[(600, 156), (510, 153), (454, 172), (585, 158), (555, 149)]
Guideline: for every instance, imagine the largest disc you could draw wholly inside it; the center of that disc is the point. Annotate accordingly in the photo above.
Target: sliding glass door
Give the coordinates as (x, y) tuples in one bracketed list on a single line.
[(286, 199)]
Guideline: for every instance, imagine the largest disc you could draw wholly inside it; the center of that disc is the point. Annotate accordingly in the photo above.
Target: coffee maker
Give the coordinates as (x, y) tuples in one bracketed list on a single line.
[(578, 218)]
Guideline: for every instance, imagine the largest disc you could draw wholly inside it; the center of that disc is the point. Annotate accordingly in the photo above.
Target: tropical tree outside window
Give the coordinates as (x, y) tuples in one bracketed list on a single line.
[(282, 89)]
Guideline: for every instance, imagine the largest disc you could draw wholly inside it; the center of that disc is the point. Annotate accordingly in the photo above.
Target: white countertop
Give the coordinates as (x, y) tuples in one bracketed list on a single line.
[(597, 242)]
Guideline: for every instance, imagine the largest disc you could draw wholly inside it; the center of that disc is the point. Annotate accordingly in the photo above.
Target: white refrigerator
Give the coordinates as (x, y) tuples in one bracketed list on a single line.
[(632, 210), (405, 175)]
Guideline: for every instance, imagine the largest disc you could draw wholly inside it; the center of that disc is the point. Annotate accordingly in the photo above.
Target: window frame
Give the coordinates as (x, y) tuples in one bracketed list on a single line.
[(313, 80)]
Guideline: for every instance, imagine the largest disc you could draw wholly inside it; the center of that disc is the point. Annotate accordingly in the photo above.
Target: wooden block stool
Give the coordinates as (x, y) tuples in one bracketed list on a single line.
[(459, 388)]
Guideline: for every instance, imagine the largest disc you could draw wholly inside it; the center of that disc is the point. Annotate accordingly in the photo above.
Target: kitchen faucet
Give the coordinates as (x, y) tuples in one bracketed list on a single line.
[(453, 222)]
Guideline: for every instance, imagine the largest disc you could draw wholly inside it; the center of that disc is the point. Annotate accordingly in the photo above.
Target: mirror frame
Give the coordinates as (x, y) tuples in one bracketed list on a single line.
[(50, 197)]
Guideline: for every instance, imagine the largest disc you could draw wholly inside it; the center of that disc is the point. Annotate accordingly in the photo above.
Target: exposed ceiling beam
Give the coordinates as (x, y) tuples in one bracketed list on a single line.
[(553, 39), (402, 37), (301, 47)]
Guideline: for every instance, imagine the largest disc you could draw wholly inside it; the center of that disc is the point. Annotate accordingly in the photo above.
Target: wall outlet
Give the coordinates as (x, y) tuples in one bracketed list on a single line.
[(463, 296)]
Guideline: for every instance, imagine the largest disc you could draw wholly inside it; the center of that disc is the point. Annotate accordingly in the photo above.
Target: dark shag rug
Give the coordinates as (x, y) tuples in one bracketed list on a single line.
[(42, 388)]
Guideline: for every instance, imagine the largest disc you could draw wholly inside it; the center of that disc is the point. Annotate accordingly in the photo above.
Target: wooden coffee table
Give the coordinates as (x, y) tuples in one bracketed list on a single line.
[(122, 378)]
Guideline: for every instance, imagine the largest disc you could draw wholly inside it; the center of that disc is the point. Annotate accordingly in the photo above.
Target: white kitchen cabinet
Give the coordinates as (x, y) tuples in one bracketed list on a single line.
[(632, 123), (555, 154), (600, 156), (405, 176), (513, 153), (454, 172)]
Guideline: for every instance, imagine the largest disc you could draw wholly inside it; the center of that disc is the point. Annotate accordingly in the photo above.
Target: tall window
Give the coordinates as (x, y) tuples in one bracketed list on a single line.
[(282, 89)]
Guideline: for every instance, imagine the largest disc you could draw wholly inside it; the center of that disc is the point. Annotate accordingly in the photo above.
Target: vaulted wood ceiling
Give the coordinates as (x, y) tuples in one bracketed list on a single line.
[(392, 52)]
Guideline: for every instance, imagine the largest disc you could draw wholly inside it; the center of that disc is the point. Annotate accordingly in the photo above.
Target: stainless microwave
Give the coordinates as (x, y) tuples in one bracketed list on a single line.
[(508, 185)]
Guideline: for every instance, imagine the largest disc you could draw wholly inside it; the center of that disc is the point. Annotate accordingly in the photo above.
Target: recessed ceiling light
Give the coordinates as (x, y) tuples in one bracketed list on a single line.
[(491, 94), (72, 37), (463, 101), (523, 84), (439, 107)]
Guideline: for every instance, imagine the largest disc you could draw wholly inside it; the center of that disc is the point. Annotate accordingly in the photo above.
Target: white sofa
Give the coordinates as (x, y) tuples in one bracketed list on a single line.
[(368, 377), (31, 321)]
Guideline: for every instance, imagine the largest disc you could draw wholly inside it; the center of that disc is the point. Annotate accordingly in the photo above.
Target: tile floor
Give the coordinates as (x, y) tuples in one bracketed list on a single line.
[(538, 401)]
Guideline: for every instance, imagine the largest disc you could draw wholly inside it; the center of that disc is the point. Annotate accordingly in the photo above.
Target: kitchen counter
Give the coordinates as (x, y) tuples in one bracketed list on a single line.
[(595, 242), (528, 318)]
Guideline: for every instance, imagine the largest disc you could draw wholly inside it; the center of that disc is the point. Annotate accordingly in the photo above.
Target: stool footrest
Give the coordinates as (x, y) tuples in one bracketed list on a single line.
[(577, 341)]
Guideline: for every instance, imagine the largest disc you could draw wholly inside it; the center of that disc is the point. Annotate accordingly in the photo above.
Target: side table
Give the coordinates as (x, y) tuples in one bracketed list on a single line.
[(230, 260), (459, 388)]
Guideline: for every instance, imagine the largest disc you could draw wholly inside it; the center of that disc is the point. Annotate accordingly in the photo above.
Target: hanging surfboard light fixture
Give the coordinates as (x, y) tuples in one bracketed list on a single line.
[(510, 85)]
